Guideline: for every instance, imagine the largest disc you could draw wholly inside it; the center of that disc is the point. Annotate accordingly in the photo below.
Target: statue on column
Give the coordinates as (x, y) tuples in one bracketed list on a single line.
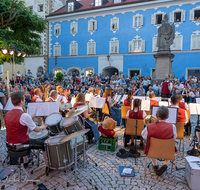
[(166, 35)]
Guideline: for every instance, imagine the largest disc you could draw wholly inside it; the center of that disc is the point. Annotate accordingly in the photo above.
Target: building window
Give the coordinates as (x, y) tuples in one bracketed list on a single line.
[(117, 1), (195, 14), (98, 3), (177, 43), (195, 42), (193, 72), (92, 25), (31, 8), (157, 18), (57, 29), (57, 50), (155, 48), (91, 48), (74, 28), (114, 47), (177, 16), (115, 24), (71, 7), (137, 21), (137, 46), (40, 8), (73, 49)]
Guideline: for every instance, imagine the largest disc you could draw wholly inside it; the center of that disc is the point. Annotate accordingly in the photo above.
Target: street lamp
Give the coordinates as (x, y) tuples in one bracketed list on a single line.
[(4, 51), (108, 57)]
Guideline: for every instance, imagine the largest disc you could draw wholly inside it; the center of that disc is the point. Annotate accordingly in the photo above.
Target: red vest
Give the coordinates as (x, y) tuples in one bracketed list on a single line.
[(181, 115), (165, 89), (182, 105), (49, 100), (135, 115), (34, 99), (153, 103), (78, 104), (160, 130), (16, 133), (126, 103)]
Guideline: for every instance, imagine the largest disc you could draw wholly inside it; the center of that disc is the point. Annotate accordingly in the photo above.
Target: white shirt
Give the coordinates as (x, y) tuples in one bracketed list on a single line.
[(186, 115), (180, 87), (143, 115), (38, 99), (145, 131), (170, 87), (156, 87), (59, 98)]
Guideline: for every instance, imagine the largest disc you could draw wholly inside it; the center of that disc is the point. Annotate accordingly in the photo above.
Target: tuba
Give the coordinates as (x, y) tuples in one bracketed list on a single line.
[(150, 119)]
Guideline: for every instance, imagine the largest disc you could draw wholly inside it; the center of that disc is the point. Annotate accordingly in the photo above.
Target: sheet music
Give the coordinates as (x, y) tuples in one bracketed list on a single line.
[(42, 108), (198, 100), (163, 103), (117, 98), (1, 106), (145, 105), (73, 101), (88, 96), (97, 102), (139, 97), (194, 109), (9, 106), (132, 104), (123, 98), (173, 114), (156, 98)]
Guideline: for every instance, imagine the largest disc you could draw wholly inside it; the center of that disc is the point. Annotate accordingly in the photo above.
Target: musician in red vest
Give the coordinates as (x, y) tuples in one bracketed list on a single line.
[(127, 102), (182, 114), (53, 96), (36, 97), (17, 123), (182, 104), (159, 130), (166, 88), (153, 102), (136, 113)]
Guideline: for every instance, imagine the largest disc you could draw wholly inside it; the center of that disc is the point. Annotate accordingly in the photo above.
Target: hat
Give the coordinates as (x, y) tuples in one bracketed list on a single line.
[(122, 153), (133, 153)]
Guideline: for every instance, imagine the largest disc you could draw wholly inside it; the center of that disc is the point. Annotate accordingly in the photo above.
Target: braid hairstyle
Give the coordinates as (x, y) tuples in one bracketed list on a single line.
[(130, 94), (136, 104)]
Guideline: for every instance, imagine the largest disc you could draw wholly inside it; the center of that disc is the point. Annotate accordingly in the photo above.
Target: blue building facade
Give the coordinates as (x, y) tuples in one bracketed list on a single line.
[(123, 38)]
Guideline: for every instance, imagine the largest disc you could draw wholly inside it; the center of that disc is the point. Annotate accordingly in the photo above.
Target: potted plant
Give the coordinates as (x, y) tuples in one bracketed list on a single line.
[(59, 77)]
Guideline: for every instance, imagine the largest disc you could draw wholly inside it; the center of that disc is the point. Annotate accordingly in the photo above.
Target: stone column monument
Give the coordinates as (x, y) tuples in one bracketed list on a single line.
[(164, 57)]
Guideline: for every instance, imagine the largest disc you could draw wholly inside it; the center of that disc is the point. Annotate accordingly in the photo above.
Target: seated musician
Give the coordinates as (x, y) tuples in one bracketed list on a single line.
[(17, 123), (80, 100), (97, 93), (182, 114), (59, 90), (67, 94), (53, 96), (160, 130), (127, 102), (36, 97), (114, 112), (182, 105), (136, 113), (153, 102)]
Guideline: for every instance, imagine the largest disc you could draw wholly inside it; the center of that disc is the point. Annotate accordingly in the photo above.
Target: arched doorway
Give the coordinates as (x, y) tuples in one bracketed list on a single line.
[(110, 71), (74, 70)]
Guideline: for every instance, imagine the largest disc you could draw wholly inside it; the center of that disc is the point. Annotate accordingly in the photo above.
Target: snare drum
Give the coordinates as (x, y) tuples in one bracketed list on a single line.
[(71, 125), (53, 121), (41, 135), (79, 145), (58, 154)]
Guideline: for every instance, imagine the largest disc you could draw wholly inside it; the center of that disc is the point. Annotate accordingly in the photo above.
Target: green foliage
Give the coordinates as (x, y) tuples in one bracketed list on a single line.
[(24, 33), (59, 77)]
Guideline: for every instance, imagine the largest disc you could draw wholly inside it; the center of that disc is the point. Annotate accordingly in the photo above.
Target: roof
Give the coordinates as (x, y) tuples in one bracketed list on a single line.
[(88, 5)]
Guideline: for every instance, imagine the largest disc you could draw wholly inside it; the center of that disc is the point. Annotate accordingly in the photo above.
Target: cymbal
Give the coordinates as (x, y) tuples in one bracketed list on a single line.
[(74, 135), (77, 111), (66, 106)]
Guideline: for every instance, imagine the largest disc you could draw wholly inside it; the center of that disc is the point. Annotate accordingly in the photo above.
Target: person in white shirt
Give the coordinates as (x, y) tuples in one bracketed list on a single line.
[(179, 86), (166, 87), (156, 88), (36, 97)]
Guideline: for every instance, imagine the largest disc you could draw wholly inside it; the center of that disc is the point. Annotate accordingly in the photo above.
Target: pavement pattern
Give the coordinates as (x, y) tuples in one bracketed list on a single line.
[(106, 175)]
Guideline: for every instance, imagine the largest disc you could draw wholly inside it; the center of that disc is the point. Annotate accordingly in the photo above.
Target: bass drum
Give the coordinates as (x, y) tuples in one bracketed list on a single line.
[(53, 122), (58, 154)]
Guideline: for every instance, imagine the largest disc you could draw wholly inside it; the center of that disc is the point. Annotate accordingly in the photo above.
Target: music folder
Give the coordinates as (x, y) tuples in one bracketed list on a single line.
[(194, 109)]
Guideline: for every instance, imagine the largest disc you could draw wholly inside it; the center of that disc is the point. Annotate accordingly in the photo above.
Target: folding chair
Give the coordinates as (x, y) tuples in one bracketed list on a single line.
[(105, 110), (180, 134), (124, 110), (161, 149)]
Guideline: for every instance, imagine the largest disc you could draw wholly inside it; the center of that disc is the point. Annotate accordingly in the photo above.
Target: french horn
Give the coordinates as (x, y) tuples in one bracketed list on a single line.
[(150, 119)]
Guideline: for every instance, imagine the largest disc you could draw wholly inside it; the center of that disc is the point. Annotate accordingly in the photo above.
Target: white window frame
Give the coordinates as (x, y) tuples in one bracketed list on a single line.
[(75, 26), (111, 44), (133, 69), (174, 45), (176, 11), (71, 49), (54, 50), (192, 18), (92, 27), (117, 1), (190, 68), (68, 7), (131, 46), (39, 8), (57, 27), (153, 17), (98, 3), (141, 21), (114, 21), (88, 51), (154, 44), (192, 42)]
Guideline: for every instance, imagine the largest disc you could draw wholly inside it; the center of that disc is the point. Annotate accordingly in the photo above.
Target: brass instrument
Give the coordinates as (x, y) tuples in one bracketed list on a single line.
[(150, 119), (94, 116)]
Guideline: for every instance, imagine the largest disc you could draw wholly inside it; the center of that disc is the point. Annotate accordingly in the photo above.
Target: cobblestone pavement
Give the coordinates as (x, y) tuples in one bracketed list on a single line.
[(106, 175)]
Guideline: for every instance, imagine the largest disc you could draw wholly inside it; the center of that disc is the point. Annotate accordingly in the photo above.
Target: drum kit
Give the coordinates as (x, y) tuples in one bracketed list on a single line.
[(68, 143)]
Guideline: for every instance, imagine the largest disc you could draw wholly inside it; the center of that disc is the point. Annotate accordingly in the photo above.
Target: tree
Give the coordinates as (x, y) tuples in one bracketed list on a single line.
[(20, 27)]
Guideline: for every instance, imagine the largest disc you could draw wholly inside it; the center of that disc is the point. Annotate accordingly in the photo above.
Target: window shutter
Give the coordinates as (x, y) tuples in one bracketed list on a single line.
[(130, 45), (198, 42), (182, 16), (178, 43), (172, 17), (133, 21), (141, 20), (163, 16), (155, 48), (193, 41), (75, 27), (88, 51), (117, 23), (143, 45), (93, 48), (95, 25), (89, 23), (153, 19), (192, 14), (59, 51)]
